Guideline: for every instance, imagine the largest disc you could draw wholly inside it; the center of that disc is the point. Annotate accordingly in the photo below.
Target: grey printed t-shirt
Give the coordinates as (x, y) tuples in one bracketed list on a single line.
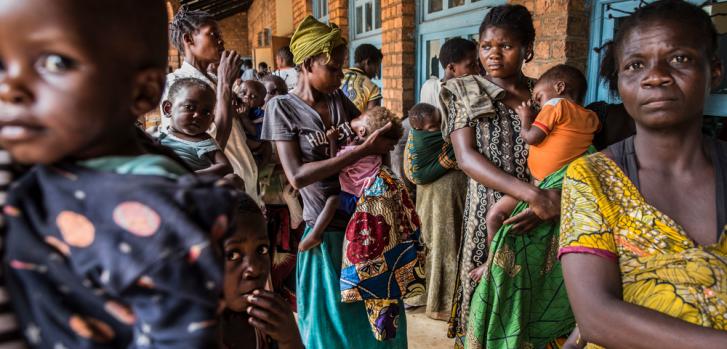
[(289, 118)]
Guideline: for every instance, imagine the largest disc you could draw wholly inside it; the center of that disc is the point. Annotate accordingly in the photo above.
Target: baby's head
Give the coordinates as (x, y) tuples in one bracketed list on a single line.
[(425, 117), (274, 86), (663, 63), (252, 93), (191, 105), (373, 119), (76, 74), (561, 81), (458, 57), (262, 68), (247, 254)]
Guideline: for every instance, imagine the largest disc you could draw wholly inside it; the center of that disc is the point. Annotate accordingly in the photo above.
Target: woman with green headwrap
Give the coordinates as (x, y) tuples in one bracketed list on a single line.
[(297, 123)]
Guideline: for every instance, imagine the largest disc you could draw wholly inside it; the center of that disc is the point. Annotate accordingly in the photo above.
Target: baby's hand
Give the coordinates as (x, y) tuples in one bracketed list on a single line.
[(333, 134), (476, 274), (525, 111), (271, 315)]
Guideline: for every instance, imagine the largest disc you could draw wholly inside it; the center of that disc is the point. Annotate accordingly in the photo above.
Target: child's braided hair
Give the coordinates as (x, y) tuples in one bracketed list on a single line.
[(187, 21), (686, 15)]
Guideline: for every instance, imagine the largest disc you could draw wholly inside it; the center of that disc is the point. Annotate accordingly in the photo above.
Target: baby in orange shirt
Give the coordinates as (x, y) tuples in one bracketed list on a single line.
[(560, 133)]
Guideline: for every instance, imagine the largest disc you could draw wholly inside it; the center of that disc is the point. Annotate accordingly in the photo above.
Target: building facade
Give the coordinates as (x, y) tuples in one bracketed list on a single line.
[(410, 34)]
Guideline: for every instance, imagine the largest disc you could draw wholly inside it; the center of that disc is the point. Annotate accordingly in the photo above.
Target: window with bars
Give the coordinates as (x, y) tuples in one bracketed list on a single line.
[(435, 6), (366, 16), (265, 38), (320, 10)]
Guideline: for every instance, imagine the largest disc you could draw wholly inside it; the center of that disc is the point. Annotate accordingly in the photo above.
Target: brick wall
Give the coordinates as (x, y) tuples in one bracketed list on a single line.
[(234, 31), (235, 34), (338, 13), (397, 30), (301, 9), (561, 34), (261, 15), (175, 59)]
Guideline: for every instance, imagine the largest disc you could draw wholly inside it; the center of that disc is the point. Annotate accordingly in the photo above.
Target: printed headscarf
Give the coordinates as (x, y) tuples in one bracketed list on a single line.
[(312, 38)]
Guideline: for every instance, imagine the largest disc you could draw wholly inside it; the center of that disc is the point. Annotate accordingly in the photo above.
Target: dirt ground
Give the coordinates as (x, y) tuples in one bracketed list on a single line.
[(426, 333)]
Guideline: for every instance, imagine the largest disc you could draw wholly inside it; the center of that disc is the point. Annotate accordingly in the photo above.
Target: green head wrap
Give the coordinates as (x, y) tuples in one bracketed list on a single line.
[(313, 38)]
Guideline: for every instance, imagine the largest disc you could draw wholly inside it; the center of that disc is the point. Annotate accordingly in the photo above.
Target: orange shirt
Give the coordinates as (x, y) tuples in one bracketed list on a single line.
[(569, 130)]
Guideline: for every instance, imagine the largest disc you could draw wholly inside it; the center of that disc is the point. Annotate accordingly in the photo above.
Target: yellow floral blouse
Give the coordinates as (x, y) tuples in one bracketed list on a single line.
[(604, 214)]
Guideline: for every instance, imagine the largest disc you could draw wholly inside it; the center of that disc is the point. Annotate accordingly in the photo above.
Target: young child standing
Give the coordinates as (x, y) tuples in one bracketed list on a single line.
[(562, 131), (190, 104), (107, 245), (253, 314)]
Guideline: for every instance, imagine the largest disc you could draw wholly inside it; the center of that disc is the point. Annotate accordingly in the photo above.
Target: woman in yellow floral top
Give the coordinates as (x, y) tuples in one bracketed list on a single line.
[(643, 248)]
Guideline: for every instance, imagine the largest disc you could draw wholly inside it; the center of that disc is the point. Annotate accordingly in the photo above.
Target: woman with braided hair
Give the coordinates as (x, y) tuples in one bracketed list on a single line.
[(197, 36), (480, 120)]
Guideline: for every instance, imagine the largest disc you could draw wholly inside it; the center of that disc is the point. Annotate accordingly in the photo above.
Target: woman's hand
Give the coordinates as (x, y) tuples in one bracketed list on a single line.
[(545, 204), (271, 315), (377, 143), (227, 72), (229, 69)]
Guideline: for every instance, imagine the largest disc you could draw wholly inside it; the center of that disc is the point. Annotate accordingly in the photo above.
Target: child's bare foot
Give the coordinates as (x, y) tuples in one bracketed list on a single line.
[(309, 242), (476, 274)]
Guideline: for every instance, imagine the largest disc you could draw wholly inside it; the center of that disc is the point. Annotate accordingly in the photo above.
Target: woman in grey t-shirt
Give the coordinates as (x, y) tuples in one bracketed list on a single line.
[(297, 123)]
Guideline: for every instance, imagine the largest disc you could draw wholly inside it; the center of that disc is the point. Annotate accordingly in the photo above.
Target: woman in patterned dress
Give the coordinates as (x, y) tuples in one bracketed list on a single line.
[(485, 130), (643, 244)]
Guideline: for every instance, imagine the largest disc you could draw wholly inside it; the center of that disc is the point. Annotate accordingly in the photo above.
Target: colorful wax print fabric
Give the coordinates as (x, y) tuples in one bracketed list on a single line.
[(383, 257), (521, 301), (604, 214)]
